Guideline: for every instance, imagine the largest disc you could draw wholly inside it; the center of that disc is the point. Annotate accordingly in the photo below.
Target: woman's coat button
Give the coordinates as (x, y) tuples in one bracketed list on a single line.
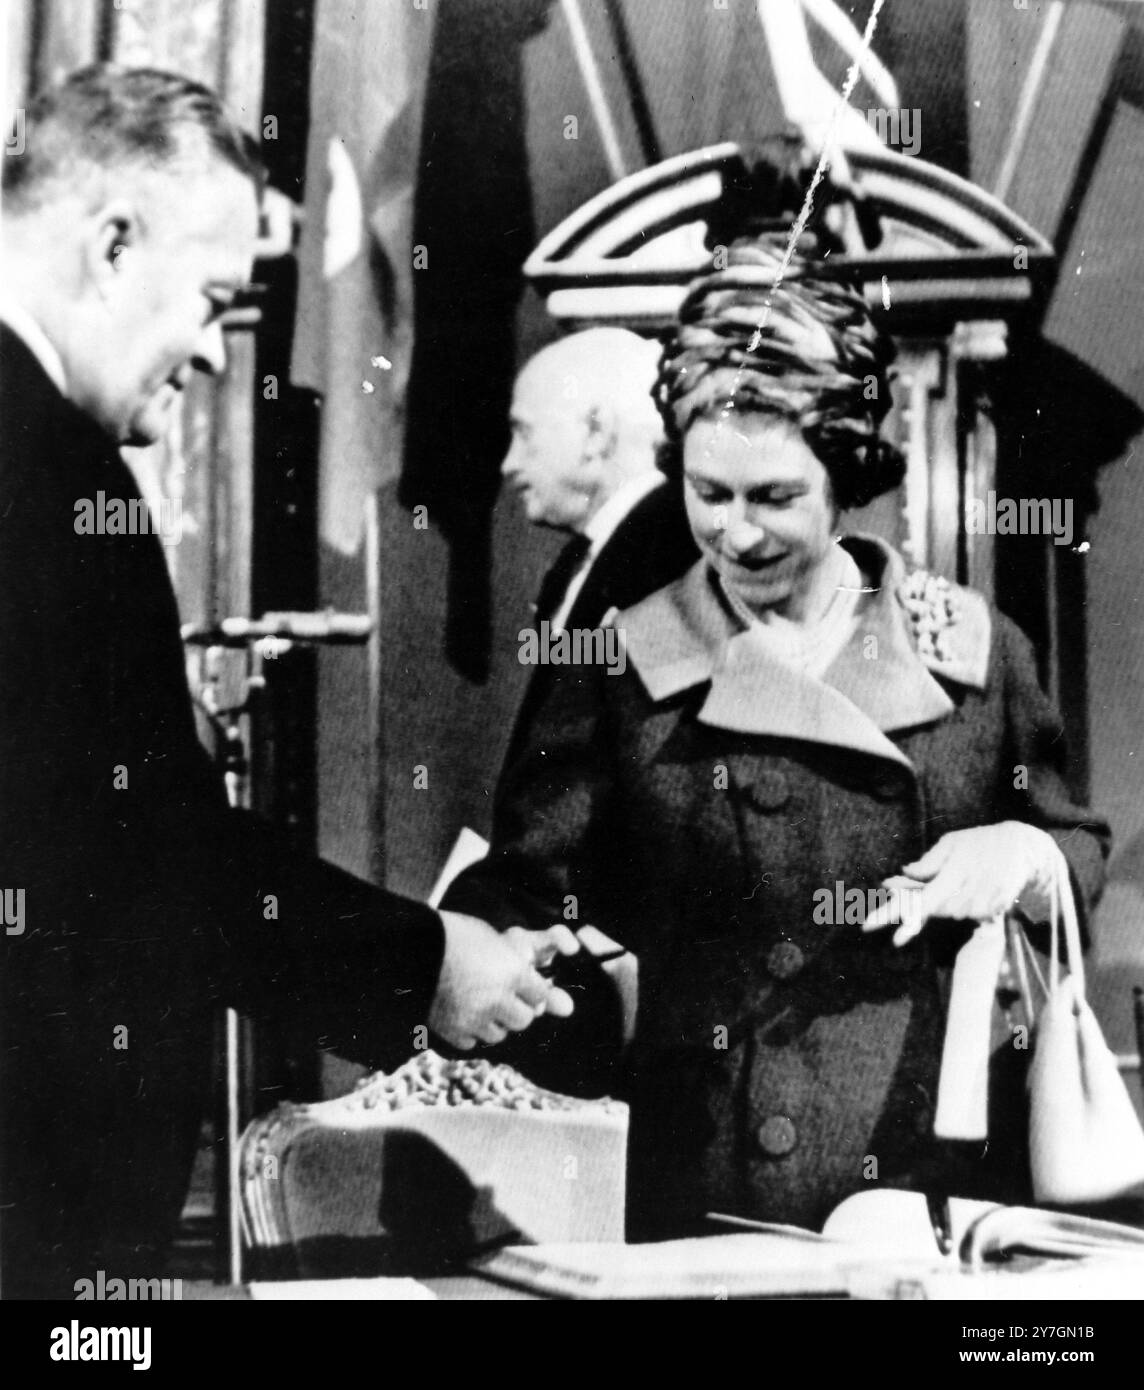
[(785, 960), (777, 1136), (768, 790)]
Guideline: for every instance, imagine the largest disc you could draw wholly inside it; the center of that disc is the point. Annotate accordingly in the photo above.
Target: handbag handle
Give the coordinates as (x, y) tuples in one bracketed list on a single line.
[(962, 1095), (1022, 957), (1063, 915), (1063, 909)]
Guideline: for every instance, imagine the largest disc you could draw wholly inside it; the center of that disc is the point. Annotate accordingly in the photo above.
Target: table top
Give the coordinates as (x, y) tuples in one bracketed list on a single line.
[(453, 1288)]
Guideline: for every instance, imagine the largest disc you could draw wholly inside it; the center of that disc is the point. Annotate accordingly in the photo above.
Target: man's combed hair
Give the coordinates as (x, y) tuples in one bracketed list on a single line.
[(109, 117)]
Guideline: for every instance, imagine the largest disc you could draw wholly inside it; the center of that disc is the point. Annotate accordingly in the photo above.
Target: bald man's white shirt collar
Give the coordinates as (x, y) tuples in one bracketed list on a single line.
[(35, 340), (600, 531)]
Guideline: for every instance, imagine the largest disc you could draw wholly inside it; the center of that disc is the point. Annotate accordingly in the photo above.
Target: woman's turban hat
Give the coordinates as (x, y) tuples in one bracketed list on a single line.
[(794, 343)]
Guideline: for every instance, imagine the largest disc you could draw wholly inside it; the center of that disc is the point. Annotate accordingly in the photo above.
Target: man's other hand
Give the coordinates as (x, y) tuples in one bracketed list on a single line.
[(490, 983)]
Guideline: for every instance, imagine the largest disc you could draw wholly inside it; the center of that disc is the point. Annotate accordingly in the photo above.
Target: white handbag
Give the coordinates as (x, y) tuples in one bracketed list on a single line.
[(1086, 1144), (1085, 1141)]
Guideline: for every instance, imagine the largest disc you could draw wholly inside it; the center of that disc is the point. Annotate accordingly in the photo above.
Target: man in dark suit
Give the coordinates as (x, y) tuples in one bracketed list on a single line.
[(586, 437), (134, 899), (585, 440)]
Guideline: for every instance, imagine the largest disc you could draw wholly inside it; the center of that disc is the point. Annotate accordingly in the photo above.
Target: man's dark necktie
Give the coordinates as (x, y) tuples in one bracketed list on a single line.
[(556, 581)]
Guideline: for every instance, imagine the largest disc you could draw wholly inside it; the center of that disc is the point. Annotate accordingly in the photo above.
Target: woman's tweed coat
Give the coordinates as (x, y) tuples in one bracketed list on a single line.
[(693, 806)]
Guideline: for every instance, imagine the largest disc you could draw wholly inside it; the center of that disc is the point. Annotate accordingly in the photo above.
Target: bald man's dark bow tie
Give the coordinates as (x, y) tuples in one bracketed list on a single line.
[(558, 578)]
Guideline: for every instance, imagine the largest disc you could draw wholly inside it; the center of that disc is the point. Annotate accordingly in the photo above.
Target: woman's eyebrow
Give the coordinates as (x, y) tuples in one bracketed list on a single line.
[(763, 488)]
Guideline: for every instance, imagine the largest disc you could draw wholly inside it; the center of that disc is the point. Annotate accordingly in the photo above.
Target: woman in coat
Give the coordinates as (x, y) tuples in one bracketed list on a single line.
[(801, 721)]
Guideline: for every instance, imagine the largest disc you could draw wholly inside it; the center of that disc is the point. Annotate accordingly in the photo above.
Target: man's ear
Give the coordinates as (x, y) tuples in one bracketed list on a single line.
[(112, 233), (602, 432)]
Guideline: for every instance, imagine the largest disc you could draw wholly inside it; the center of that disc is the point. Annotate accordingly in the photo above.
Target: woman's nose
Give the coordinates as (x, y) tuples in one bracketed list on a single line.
[(742, 533)]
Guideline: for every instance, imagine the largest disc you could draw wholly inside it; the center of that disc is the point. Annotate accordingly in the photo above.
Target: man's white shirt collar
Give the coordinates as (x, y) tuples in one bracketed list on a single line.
[(35, 340), (600, 531)]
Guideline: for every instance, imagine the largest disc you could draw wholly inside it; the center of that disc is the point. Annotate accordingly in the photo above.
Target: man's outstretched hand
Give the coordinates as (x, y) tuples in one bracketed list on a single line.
[(490, 983)]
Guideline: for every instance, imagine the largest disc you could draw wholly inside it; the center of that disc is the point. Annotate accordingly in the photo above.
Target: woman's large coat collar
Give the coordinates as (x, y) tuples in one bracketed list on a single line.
[(915, 628)]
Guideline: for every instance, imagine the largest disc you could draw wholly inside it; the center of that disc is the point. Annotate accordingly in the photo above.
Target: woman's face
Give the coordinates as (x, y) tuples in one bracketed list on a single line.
[(760, 507)]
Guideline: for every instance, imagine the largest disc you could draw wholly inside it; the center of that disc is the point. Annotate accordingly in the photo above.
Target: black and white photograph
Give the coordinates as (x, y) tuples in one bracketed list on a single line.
[(572, 660)]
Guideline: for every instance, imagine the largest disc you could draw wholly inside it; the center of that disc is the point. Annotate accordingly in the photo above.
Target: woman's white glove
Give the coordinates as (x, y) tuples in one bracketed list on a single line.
[(972, 875)]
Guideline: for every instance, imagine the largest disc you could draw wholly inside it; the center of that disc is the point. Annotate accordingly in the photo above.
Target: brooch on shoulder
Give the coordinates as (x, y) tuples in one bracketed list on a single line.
[(932, 611)]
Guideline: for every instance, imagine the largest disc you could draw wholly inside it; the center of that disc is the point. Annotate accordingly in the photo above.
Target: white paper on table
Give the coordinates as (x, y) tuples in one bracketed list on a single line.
[(342, 1290)]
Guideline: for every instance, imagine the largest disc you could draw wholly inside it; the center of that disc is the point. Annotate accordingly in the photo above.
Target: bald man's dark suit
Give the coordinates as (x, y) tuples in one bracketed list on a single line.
[(143, 903), (650, 548)]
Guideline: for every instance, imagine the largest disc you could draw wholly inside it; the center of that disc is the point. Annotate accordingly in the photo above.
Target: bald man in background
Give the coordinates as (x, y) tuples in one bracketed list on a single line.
[(585, 440), (586, 436)]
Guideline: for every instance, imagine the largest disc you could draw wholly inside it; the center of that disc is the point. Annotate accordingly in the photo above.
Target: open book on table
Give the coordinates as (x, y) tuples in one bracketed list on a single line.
[(879, 1244)]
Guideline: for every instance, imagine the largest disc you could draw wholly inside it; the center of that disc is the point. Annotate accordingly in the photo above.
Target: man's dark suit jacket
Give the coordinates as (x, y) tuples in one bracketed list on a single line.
[(649, 549), (144, 906)]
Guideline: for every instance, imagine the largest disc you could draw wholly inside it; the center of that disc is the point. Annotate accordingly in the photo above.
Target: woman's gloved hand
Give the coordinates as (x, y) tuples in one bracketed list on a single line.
[(973, 875)]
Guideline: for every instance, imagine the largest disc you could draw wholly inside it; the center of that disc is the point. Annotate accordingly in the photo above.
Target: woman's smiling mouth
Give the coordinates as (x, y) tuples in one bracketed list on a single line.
[(745, 565)]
